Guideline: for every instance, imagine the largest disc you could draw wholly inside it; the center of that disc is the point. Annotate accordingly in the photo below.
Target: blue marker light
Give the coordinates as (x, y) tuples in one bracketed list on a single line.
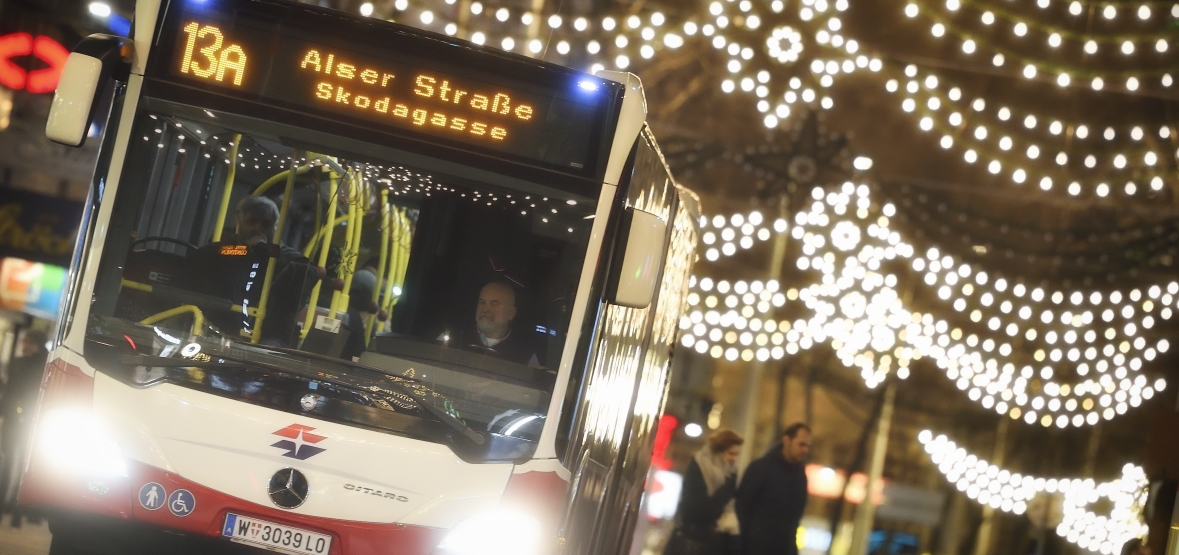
[(119, 25), (588, 85)]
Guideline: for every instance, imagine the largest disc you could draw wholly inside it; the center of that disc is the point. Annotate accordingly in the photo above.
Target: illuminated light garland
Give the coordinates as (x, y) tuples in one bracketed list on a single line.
[(982, 364), (1010, 492), (1053, 128), (726, 236), (1054, 38), (620, 40), (1021, 25), (733, 321), (1107, 534), (856, 307), (984, 482), (972, 138)]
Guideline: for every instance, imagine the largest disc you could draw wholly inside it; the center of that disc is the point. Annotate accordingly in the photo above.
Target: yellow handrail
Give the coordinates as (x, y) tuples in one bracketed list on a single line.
[(136, 285), (399, 255), (266, 185), (198, 317), (313, 301), (237, 140), (341, 297), (319, 235), (386, 228), (147, 288), (260, 317)]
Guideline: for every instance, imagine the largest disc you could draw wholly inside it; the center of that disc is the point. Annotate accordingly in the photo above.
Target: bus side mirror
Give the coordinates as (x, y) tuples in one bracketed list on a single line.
[(632, 281), (83, 78)]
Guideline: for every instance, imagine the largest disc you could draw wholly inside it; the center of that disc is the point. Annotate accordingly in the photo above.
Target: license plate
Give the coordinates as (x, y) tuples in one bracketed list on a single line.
[(275, 537)]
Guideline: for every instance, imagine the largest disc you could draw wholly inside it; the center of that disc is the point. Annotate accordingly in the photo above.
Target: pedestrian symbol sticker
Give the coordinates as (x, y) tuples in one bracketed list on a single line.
[(152, 495), (181, 502)]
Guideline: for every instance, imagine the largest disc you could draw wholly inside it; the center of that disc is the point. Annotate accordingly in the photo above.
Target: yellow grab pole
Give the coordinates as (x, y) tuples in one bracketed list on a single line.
[(286, 199), (198, 317), (386, 223), (136, 285), (313, 301), (237, 141), (342, 268), (266, 185), (352, 251), (406, 240), (395, 259), (260, 316), (318, 235)]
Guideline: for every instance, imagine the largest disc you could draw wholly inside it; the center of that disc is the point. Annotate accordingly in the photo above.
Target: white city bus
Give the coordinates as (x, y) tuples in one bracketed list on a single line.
[(349, 287)]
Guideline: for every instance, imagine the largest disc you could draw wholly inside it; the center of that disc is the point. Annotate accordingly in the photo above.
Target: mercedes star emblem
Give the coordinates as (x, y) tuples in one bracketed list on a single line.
[(288, 488)]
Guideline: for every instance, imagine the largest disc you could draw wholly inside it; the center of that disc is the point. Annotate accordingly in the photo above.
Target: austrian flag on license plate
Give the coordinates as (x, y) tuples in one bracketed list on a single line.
[(275, 537)]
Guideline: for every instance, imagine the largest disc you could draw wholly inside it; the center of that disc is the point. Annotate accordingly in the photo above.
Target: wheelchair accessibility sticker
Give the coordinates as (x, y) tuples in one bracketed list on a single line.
[(152, 495), (181, 503)]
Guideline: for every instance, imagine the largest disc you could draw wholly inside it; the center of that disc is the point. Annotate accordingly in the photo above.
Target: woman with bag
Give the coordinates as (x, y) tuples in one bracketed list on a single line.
[(706, 523)]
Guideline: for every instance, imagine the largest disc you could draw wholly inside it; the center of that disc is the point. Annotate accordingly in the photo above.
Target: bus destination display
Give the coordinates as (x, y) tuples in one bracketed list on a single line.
[(270, 63)]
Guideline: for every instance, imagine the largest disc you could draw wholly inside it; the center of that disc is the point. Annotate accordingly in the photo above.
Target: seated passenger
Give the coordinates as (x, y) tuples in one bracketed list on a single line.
[(238, 274), (493, 325)]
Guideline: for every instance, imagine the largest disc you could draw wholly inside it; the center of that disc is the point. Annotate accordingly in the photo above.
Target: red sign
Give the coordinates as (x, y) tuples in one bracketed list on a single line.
[(663, 433), (17, 45)]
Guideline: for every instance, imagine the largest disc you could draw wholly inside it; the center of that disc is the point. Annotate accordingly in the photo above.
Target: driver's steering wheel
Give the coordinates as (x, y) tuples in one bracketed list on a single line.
[(185, 244)]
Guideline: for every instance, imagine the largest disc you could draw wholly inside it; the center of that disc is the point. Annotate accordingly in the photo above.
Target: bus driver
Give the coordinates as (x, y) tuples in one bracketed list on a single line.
[(493, 325)]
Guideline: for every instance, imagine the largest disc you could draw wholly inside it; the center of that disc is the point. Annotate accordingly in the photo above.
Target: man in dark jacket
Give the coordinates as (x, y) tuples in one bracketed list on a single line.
[(772, 495), (494, 314), (234, 269)]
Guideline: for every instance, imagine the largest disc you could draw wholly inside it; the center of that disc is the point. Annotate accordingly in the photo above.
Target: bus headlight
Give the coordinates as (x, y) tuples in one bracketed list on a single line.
[(75, 442), (503, 533)]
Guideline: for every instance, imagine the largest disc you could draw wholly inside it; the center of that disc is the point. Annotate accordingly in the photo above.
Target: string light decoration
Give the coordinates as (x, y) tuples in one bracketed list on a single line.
[(1106, 534), (1043, 152), (733, 321), (1087, 348), (1010, 492), (1142, 167), (1059, 39), (753, 38), (1056, 326), (725, 236)]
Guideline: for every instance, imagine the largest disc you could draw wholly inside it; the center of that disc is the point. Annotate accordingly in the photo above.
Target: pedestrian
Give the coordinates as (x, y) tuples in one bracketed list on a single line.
[(16, 407), (706, 523), (772, 495)]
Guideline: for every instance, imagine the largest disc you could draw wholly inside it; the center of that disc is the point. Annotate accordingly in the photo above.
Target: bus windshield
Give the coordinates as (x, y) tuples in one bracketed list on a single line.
[(340, 286)]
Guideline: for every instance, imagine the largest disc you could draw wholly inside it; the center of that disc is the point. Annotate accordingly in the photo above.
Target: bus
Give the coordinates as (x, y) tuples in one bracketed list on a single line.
[(344, 286)]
